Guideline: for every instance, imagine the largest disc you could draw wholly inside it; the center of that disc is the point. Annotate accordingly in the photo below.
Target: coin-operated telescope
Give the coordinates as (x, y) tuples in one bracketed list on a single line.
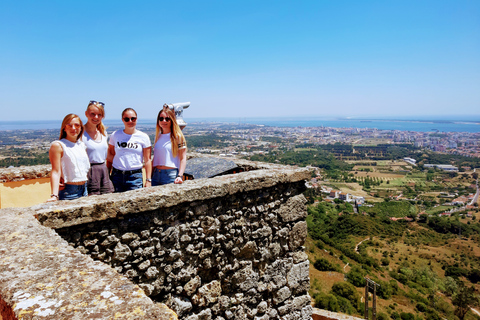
[(178, 109)]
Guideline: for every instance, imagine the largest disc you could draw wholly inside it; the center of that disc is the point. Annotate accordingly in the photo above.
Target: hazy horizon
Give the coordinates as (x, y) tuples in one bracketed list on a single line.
[(241, 59)]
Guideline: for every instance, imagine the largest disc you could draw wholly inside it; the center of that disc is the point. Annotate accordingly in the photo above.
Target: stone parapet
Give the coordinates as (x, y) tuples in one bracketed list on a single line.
[(42, 277), (25, 173), (229, 247), (320, 314), (95, 208)]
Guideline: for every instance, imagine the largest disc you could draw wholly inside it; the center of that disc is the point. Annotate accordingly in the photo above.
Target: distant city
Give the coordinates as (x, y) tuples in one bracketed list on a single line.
[(243, 137), (460, 143)]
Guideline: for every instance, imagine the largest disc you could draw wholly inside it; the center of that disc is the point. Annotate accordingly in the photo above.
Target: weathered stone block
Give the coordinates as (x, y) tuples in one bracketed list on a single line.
[(208, 294), (121, 252), (298, 235), (191, 287), (294, 209)]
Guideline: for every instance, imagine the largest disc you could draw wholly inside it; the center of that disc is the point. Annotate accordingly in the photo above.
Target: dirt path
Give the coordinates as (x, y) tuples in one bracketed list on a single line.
[(356, 247)]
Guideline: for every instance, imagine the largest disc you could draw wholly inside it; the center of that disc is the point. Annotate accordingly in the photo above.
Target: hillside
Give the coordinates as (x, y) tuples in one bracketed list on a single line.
[(422, 272)]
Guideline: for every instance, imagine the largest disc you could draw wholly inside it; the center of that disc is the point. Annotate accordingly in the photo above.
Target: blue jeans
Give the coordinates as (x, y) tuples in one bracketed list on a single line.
[(163, 176), (126, 180), (72, 191)]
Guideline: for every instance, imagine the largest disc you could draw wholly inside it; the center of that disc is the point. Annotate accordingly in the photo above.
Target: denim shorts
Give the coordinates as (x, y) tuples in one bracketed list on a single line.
[(163, 176), (72, 191), (126, 180)]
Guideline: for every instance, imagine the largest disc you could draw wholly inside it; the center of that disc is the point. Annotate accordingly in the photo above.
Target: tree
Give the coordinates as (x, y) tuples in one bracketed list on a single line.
[(451, 286), (464, 300)]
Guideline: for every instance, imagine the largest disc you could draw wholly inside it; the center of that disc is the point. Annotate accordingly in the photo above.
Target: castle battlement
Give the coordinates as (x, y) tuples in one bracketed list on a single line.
[(229, 247)]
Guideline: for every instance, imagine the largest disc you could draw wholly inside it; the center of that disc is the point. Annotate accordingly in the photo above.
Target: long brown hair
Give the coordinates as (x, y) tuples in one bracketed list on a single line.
[(100, 127), (176, 135), (66, 120)]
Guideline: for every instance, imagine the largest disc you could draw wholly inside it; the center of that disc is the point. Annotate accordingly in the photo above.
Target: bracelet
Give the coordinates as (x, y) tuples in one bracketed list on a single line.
[(149, 180), (54, 195)]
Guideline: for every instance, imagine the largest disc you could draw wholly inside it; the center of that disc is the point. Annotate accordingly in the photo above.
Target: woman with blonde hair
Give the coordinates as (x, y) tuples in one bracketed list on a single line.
[(69, 161), (95, 138), (169, 151)]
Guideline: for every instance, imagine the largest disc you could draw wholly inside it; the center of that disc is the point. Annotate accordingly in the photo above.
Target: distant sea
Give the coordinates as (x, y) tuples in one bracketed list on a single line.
[(421, 125)]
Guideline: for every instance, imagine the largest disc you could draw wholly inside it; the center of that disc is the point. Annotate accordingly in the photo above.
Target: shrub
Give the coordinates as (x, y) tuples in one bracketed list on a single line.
[(455, 272), (323, 264), (474, 275), (421, 307), (356, 277), (382, 316), (344, 305), (386, 289), (385, 262), (347, 290), (407, 316), (326, 301)]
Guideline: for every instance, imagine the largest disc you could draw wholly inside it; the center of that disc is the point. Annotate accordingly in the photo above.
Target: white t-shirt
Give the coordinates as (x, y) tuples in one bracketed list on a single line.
[(129, 149), (96, 150), (75, 163), (163, 154)]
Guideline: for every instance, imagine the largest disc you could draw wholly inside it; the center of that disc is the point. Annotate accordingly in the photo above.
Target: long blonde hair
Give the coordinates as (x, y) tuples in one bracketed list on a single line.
[(66, 120), (100, 127), (176, 135)]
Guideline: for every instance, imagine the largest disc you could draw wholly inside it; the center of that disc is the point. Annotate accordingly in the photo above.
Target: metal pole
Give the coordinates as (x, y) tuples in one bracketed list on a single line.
[(366, 300), (374, 303)]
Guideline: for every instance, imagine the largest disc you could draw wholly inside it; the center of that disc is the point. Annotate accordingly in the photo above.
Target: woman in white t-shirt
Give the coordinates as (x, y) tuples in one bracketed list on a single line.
[(128, 152), (169, 151), (69, 161), (95, 138)]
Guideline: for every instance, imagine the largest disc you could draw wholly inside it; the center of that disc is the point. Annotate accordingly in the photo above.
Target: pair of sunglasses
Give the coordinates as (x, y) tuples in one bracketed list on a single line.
[(96, 102), (162, 118), (127, 119)]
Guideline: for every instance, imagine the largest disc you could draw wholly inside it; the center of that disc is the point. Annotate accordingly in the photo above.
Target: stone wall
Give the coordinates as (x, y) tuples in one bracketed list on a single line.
[(25, 173), (42, 277), (229, 247)]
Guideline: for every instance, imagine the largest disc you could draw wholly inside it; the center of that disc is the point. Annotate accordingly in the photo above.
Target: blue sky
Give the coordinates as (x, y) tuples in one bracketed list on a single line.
[(241, 58)]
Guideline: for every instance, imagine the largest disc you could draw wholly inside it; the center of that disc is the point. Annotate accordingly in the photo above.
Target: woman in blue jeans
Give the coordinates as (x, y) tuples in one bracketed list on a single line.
[(69, 160), (169, 151), (128, 152)]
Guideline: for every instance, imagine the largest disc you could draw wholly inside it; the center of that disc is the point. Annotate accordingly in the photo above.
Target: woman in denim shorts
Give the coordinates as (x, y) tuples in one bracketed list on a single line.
[(169, 151), (128, 152), (69, 161), (95, 138)]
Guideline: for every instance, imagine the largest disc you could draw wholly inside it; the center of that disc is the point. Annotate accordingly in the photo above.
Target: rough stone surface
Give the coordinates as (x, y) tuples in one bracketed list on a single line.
[(101, 207), (319, 314), (41, 277), (25, 173)]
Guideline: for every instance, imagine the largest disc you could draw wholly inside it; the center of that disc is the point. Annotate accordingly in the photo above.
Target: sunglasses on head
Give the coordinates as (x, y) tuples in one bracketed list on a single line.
[(133, 119), (162, 118), (96, 102)]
